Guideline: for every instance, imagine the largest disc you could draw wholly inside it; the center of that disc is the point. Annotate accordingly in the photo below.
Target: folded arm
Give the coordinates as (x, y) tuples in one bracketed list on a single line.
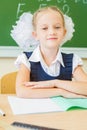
[(43, 89)]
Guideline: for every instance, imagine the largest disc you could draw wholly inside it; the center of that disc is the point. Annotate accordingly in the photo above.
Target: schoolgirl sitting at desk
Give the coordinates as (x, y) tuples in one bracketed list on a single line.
[(47, 71)]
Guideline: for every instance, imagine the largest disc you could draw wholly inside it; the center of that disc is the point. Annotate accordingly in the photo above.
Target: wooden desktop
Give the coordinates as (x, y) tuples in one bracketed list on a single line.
[(71, 120)]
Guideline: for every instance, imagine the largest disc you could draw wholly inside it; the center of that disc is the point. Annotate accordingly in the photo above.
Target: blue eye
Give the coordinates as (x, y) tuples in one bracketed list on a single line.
[(45, 28), (57, 27)]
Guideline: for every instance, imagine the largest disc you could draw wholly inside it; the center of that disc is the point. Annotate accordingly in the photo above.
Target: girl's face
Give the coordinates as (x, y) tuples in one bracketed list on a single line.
[(50, 29)]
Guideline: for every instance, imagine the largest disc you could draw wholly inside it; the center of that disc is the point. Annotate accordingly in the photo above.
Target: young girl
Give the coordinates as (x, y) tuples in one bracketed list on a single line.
[(46, 71)]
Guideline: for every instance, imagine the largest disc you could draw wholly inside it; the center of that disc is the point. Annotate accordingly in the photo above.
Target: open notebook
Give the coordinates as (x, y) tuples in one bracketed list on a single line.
[(55, 104)]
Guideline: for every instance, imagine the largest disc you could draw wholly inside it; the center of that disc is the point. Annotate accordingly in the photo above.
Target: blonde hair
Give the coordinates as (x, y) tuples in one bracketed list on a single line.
[(54, 8)]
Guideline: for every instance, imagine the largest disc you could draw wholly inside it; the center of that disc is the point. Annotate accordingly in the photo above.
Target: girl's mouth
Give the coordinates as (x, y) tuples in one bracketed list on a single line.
[(52, 38)]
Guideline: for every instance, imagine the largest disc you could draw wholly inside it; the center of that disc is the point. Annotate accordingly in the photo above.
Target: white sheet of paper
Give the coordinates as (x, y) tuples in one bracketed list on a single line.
[(27, 106)]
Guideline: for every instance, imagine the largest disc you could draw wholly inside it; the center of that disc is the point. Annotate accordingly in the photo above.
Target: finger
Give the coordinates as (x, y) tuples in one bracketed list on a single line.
[(28, 83), (37, 86)]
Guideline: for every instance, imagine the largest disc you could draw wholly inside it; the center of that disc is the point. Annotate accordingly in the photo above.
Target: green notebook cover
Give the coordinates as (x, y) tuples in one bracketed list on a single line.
[(67, 104)]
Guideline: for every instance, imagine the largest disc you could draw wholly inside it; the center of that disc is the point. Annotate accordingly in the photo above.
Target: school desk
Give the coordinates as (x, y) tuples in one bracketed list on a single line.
[(71, 120)]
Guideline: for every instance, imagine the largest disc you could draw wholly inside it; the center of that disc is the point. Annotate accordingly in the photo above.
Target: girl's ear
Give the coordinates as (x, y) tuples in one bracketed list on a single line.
[(65, 31), (34, 34)]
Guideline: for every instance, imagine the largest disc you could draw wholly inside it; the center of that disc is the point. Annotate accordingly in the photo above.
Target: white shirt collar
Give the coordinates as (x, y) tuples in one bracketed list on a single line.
[(36, 56), (59, 58)]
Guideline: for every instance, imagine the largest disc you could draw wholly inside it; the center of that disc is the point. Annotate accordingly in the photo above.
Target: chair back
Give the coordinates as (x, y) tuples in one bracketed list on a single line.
[(8, 83)]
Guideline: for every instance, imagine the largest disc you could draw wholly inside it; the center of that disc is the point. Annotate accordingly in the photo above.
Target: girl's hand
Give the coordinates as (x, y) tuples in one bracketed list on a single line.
[(40, 84)]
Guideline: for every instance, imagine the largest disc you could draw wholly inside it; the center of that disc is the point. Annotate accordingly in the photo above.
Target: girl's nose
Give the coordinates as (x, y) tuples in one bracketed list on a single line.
[(52, 31)]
